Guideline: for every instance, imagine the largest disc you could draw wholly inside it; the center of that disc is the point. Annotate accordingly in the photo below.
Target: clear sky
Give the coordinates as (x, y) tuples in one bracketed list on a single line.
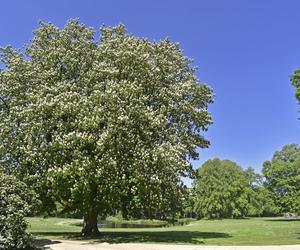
[(246, 51)]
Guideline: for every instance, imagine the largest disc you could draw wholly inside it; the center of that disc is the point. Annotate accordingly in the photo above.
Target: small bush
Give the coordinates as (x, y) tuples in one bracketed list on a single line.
[(185, 221), (16, 201)]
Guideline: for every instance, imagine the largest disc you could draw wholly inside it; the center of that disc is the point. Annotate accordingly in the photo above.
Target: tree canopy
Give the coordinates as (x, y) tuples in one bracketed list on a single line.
[(282, 176), (295, 80), (224, 190), (101, 124), (288, 153)]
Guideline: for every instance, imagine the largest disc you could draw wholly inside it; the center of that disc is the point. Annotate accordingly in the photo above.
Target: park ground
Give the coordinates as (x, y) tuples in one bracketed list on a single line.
[(79, 245), (227, 232)]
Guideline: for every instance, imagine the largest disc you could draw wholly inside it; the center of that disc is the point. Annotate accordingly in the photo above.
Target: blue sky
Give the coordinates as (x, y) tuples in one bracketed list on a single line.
[(246, 51)]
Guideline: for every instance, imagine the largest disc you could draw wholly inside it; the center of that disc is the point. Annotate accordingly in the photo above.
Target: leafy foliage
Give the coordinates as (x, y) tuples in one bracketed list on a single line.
[(16, 201), (266, 203), (288, 153), (224, 190), (295, 80), (101, 125), (189, 203), (283, 178)]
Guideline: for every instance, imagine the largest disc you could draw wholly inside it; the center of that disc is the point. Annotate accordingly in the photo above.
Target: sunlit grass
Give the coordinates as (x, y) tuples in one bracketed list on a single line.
[(253, 231)]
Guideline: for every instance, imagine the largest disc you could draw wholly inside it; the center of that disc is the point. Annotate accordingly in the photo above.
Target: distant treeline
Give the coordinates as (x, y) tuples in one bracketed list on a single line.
[(222, 189)]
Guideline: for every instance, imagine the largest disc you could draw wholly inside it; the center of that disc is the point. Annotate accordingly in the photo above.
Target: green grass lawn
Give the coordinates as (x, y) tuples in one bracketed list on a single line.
[(254, 231)]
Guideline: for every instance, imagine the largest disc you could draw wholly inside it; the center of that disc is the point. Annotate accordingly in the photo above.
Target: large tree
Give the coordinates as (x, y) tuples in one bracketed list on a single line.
[(101, 124), (282, 178), (223, 190)]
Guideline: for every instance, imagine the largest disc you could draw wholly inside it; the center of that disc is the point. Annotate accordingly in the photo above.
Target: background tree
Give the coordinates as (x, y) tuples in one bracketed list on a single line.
[(16, 202), (288, 153), (101, 125), (282, 178), (223, 190), (189, 204), (266, 203), (295, 80), (261, 200)]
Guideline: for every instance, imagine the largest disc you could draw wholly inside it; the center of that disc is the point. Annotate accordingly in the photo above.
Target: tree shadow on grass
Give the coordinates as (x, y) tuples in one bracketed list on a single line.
[(42, 243), (186, 237), (283, 220)]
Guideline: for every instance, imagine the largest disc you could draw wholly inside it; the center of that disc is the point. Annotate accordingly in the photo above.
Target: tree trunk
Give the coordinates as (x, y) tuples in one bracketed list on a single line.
[(124, 211), (90, 225)]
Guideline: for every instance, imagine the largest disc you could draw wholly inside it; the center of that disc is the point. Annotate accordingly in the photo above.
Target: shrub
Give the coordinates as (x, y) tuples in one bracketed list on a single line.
[(16, 201)]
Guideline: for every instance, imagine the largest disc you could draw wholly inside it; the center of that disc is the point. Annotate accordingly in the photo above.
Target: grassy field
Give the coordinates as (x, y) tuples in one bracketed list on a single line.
[(254, 231)]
